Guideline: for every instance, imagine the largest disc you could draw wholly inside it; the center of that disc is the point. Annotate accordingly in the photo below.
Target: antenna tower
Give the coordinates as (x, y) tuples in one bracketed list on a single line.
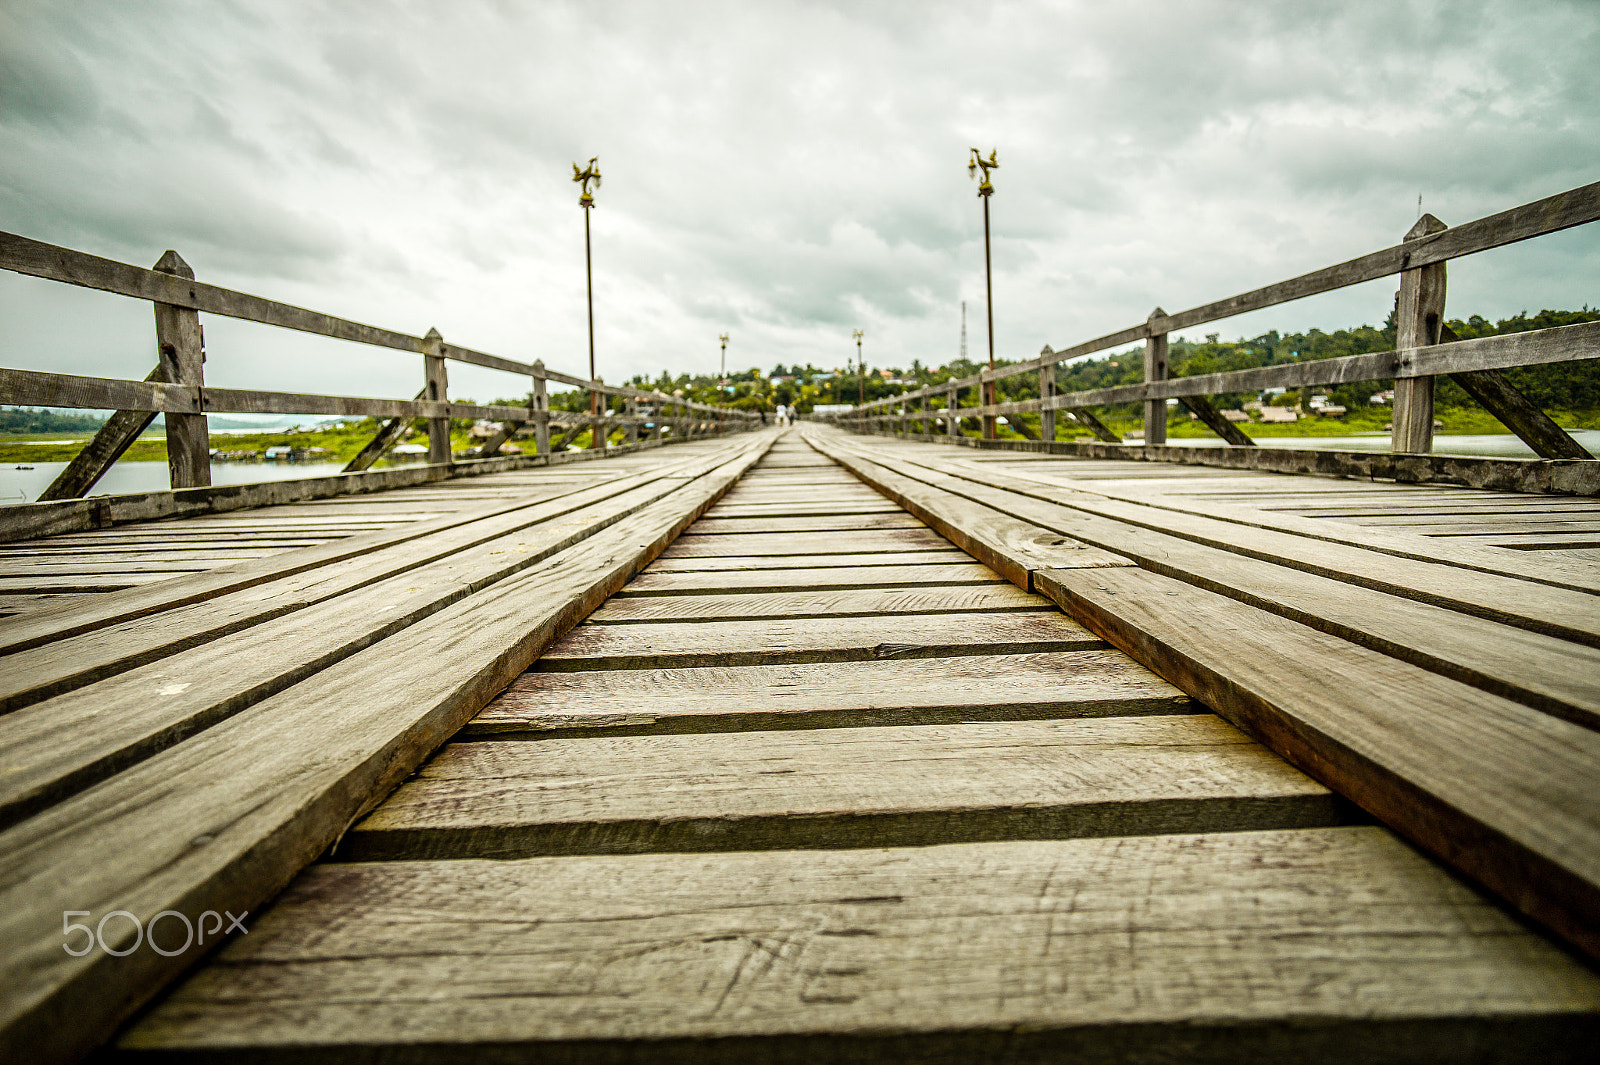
[(963, 330)]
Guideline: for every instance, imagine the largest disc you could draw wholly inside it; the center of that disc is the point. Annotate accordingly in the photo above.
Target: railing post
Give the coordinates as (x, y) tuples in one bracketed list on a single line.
[(539, 404), (631, 407), (438, 392), (1047, 390), (954, 419), (181, 347), (598, 407), (1155, 369), (922, 424), (1418, 318)]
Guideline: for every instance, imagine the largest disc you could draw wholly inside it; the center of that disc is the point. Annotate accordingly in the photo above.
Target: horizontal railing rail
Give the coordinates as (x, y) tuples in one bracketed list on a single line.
[(1426, 349), (176, 388)]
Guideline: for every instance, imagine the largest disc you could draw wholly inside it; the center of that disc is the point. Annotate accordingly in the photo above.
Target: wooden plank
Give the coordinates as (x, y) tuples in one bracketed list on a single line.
[(789, 640), (329, 606), (1351, 947), (1563, 612), (833, 603), (809, 579), (1506, 794), (87, 617), (897, 519), (808, 543), (1561, 476), (225, 819), (102, 717), (726, 563), (833, 788), (1011, 547), (829, 695)]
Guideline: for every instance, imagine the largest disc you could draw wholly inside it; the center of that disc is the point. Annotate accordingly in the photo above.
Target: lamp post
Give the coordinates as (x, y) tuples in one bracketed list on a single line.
[(722, 382), (861, 369), (974, 164), (586, 201)]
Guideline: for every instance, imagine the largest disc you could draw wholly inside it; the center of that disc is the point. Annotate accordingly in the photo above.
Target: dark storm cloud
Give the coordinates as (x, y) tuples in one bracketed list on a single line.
[(788, 171)]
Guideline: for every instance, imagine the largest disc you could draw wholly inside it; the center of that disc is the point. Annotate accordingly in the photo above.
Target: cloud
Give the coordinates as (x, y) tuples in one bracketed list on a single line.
[(785, 171)]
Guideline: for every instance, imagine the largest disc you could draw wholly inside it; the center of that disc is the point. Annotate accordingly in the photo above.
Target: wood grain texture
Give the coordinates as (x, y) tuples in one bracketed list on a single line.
[(950, 555), (770, 641), (1350, 947), (809, 579), (1507, 794), (833, 788), (809, 523), (808, 543), (1013, 548), (829, 694), (225, 819), (445, 565), (833, 603), (1282, 539), (1551, 673)]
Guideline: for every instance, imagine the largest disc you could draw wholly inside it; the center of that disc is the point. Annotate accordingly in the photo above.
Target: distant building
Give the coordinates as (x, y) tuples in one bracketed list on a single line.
[(1279, 414)]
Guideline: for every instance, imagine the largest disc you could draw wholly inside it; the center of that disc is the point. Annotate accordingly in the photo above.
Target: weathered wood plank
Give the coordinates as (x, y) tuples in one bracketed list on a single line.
[(329, 606), (808, 543), (224, 820), (1351, 947), (833, 788), (832, 603), (725, 563), (809, 579), (92, 615), (770, 641), (1505, 793), (1555, 675), (830, 694), (898, 519), (1563, 612), (1011, 547)]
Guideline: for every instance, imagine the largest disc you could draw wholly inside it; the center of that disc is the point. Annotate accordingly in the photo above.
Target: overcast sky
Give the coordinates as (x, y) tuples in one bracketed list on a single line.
[(784, 172)]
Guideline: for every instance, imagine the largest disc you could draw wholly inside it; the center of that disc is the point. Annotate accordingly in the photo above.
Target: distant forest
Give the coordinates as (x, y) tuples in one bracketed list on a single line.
[(23, 420)]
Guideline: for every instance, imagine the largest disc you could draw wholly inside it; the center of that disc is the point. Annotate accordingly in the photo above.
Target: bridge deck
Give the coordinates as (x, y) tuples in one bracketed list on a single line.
[(816, 784)]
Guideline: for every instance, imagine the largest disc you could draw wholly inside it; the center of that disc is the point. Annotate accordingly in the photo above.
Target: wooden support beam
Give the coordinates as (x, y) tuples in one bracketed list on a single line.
[(540, 404), (1202, 409), (1419, 316), (438, 391), (952, 419), (181, 347), (391, 434), (109, 443), (1047, 390), (1495, 393), (1095, 426), (1155, 369)]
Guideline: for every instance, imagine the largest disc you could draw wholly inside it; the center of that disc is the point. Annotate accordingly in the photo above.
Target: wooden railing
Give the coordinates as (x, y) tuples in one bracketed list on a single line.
[(176, 387), (1425, 350)]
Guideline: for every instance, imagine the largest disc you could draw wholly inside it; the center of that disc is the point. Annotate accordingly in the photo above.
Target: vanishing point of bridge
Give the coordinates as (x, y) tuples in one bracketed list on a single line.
[(808, 744)]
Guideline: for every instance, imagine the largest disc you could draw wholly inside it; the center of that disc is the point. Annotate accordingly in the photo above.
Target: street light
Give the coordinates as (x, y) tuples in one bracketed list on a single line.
[(974, 164), (586, 201), (723, 385), (861, 368)]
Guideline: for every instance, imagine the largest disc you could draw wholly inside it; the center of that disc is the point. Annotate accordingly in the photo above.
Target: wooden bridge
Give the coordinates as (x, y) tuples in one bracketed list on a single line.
[(812, 745)]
